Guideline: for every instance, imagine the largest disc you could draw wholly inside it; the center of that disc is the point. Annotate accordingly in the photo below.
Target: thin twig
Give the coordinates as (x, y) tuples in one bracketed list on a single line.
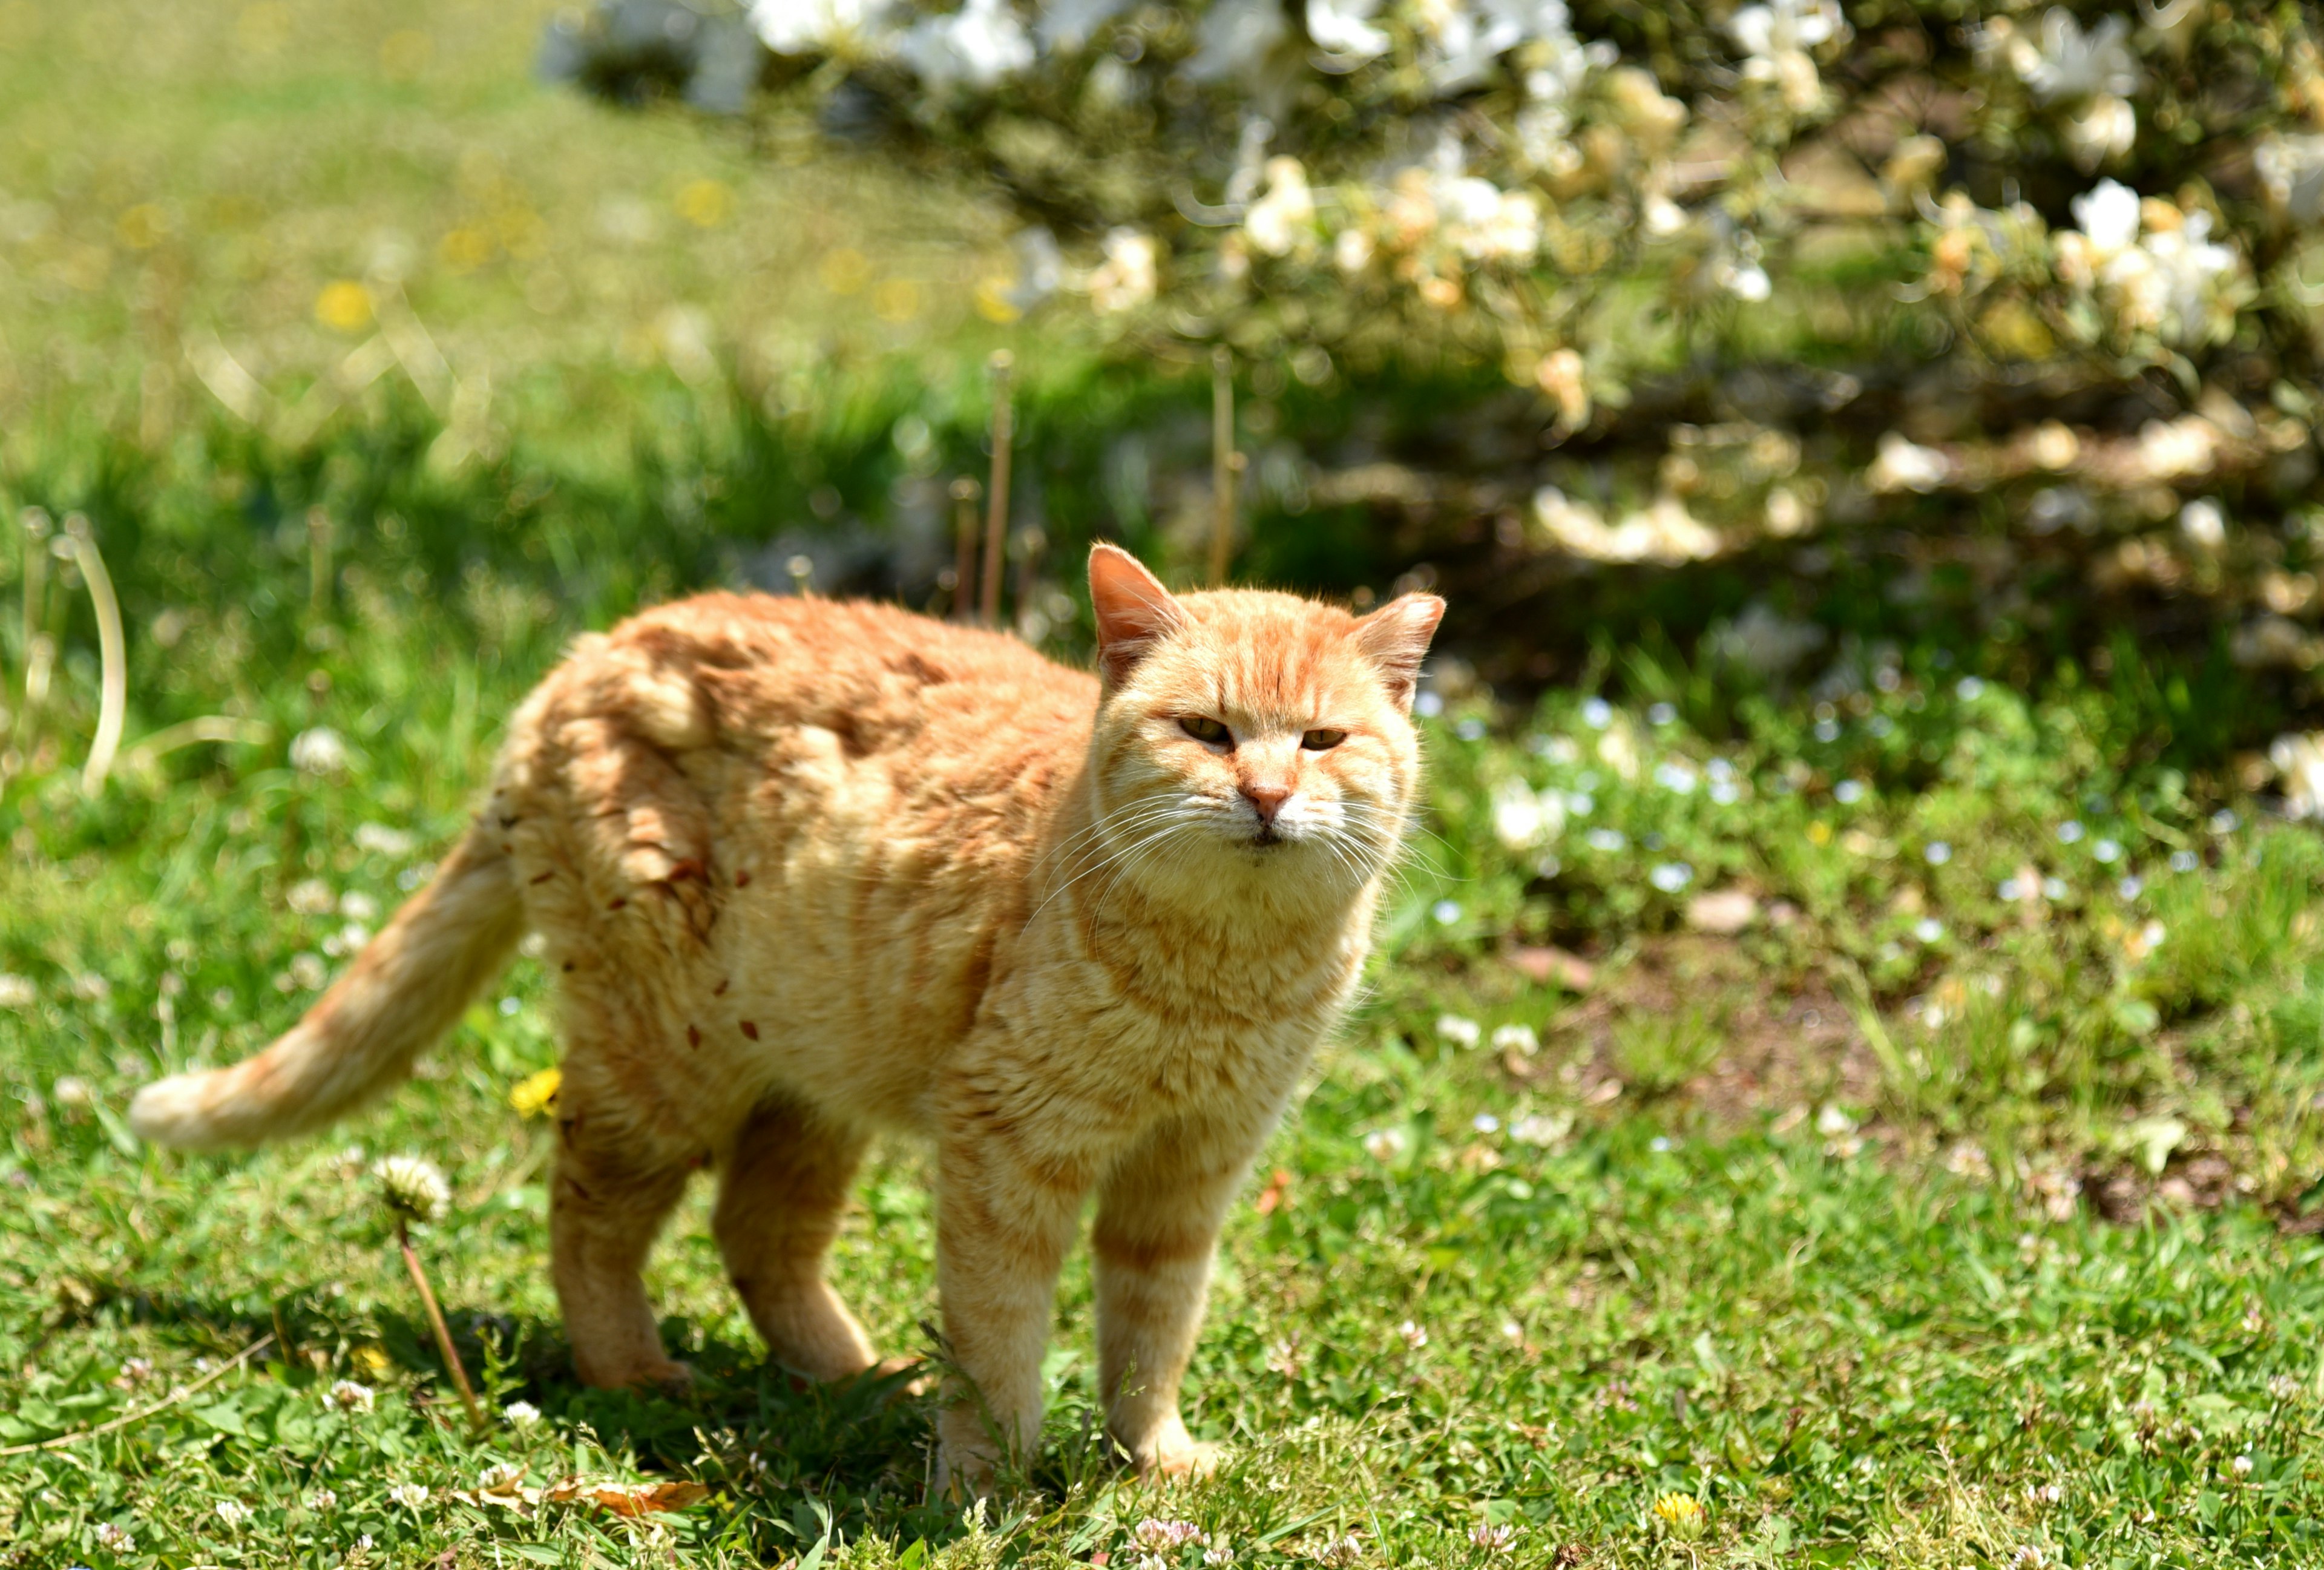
[(436, 1321), (165, 1404), (112, 654), (996, 508), (964, 492), (1224, 462)]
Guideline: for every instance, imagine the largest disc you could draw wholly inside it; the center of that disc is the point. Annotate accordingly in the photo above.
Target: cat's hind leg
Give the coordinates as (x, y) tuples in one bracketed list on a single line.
[(778, 1205), (616, 1182)]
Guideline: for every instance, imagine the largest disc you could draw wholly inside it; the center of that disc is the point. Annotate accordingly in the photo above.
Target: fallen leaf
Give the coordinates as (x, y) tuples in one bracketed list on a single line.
[(1276, 1193), (643, 1498)]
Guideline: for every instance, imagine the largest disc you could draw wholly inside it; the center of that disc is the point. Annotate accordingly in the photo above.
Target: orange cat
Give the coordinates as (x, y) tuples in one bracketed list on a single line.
[(811, 870)]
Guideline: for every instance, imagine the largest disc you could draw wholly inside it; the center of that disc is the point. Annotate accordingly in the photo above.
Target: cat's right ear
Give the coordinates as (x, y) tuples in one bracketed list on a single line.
[(1134, 612)]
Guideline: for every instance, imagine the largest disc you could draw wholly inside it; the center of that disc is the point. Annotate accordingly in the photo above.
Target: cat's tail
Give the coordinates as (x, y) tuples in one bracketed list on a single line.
[(406, 988)]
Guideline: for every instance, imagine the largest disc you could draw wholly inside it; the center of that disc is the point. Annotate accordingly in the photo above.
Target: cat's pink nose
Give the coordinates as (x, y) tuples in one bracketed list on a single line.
[(1267, 799)]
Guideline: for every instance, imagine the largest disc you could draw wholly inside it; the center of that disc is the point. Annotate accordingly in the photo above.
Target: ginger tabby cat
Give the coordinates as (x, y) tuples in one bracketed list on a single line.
[(812, 870)]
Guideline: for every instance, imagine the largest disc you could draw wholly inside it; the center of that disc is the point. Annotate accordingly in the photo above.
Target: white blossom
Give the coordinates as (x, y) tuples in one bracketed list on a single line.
[(796, 27), (1343, 29), (980, 45), (1130, 274)]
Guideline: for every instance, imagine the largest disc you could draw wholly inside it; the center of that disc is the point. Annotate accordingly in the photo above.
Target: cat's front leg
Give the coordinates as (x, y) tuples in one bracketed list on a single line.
[(1159, 1209), (1007, 1198)]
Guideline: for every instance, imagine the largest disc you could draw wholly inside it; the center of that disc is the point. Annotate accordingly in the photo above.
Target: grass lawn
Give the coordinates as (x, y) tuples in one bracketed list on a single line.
[(1881, 1111)]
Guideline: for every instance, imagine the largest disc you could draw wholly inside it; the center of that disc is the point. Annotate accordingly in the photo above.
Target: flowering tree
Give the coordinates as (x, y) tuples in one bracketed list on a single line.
[(1754, 268)]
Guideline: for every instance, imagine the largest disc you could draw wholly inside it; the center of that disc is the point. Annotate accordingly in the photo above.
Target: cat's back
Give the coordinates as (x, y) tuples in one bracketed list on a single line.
[(744, 673)]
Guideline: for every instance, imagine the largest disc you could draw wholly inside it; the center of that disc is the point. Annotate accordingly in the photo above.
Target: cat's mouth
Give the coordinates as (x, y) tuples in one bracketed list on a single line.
[(1267, 835)]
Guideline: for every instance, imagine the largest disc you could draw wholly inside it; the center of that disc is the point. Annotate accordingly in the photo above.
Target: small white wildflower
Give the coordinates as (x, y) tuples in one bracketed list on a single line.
[(350, 1397), (413, 1189), (498, 1477), (17, 991), (307, 971), (1386, 1144), (1517, 1039), (2107, 851), (2241, 1466), (1338, 1553), (2044, 1494), (233, 1513), (115, 1539), (357, 906), (1833, 1122), (1849, 792), (311, 897), (521, 1414), (72, 1091), (320, 751), (1445, 911), (410, 1495), (1670, 877), (1493, 1538), (378, 839), (2070, 831), (1928, 929), (1607, 839), (1536, 1128), (1486, 1123), (137, 1370), (1415, 1336), (323, 1501), (1156, 1534), (1461, 1032)]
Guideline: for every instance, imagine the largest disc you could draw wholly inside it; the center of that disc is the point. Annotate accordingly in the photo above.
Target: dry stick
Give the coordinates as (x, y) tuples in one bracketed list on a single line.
[(38, 650), (964, 493), (163, 1404), (1224, 461), (113, 653), (436, 1321), (996, 500), (318, 563)]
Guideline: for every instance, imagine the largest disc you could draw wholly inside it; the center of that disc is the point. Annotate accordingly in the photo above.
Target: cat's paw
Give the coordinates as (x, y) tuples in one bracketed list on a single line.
[(1184, 1457)]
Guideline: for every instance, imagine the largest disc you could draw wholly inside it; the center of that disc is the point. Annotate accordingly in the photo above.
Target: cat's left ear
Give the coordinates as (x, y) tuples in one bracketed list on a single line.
[(1395, 638), (1134, 612)]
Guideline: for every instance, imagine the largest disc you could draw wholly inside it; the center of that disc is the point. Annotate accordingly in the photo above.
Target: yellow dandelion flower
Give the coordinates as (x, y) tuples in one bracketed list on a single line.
[(704, 203), (992, 301), (532, 1094), (344, 305), (1681, 1515)]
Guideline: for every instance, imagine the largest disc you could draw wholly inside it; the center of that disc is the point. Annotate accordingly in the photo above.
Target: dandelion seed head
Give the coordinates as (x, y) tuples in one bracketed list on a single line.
[(413, 1189)]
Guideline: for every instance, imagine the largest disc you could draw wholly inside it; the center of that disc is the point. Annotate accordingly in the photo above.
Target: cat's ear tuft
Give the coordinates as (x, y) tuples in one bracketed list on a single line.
[(1395, 638), (1134, 612)]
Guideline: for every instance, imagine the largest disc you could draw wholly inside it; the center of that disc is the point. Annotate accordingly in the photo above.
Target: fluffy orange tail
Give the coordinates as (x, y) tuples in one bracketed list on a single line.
[(407, 985)]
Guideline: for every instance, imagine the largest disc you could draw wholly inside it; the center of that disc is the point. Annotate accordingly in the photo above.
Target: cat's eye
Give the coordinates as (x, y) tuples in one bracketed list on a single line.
[(1206, 730), (1322, 741)]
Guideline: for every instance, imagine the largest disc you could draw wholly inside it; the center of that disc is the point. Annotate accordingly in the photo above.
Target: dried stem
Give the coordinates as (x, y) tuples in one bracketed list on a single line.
[(1224, 462), (436, 1323), (113, 650), (996, 508), (964, 493), (141, 1413), (38, 652)]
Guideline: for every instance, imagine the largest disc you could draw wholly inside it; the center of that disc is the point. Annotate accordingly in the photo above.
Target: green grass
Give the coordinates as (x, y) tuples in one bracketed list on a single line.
[(1867, 1224), (1809, 1221)]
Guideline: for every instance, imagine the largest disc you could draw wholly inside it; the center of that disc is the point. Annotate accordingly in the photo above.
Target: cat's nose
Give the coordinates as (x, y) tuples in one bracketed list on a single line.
[(1267, 799)]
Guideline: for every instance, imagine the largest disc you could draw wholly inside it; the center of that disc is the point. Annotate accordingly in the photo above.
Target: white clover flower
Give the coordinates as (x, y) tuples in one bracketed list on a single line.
[(1786, 27), (1385, 1145), (320, 751), (1458, 1030), (1493, 1538), (799, 27), (233, 1513), (521, 1414), (1517, 1039), (2241, 1466), (311, 897), (1416, 1336), (378, 839), (413, 1189), (410, 1495), (323, 1501), (980, 46), (1158, 1536), (350, 1397), (115, 1538)]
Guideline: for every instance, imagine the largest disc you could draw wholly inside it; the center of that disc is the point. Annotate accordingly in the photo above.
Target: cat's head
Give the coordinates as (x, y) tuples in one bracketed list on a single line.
[(1248, 738)]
